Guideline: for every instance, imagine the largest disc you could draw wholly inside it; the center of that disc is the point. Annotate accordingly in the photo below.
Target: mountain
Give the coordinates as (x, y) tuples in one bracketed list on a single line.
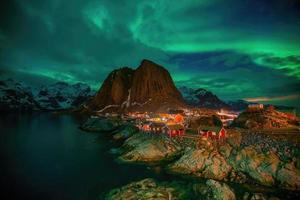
[(238, 105), (202, 98), (62, 95), (148, 88), (114, 90), (17, 96)]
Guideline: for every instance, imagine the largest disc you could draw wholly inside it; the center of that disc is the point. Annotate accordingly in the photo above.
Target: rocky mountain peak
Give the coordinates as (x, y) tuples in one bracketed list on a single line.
[(151, 80), (114, 89), (148, 87)]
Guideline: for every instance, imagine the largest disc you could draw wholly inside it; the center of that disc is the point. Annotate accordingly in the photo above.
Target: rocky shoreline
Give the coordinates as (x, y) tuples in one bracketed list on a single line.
[(233, 161)]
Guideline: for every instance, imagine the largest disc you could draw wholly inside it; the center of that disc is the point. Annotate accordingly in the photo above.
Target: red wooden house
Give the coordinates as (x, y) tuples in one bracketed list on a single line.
[(214, 133), (146, 127), (156, 127), (174, 130)]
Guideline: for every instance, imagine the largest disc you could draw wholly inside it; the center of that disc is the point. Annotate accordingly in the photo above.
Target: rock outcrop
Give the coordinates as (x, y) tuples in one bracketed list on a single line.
[(264, 119), (114, 90), (100, 125), (125, 132), (238, 159), (147, 148), (289, 176), (260, 167), (230, 161), (150, 189), (218, 191), (153, 84), (201, 163), (148, 88)]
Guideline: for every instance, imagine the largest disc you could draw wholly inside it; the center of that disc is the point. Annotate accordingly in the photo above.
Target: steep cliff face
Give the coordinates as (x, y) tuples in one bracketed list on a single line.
[(153, 88), (148, 88), (115, 89), (151, 80)]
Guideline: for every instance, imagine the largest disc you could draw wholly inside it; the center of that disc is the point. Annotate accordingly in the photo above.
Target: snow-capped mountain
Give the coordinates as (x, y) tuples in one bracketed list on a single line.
[(202, 98), (17, 96), (62, 95)]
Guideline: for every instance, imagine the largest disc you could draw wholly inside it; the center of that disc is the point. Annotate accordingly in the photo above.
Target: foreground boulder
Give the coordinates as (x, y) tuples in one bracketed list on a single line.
[(148, 148), (258, 166), (289, 176), (149, 189), (201, 163), (100, 125), (125, 132), (267, 169), (218, 191)]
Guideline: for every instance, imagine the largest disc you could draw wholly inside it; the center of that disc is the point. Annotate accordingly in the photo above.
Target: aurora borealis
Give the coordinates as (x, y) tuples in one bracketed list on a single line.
[(237, 49)]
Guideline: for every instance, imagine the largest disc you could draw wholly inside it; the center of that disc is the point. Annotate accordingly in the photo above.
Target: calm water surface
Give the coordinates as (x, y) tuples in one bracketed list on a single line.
[(45, 156)]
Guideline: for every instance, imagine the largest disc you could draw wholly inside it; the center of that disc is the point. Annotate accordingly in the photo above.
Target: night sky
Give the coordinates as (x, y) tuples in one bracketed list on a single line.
[(238, 49)]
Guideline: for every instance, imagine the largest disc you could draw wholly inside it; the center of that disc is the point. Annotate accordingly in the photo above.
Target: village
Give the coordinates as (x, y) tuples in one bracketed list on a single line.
[(195, 123), (175, 125), (179, 123)]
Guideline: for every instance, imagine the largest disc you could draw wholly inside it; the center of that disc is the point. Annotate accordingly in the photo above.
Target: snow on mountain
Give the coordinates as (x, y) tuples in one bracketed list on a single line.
[(18, 96), (61, 95), (202, 98)]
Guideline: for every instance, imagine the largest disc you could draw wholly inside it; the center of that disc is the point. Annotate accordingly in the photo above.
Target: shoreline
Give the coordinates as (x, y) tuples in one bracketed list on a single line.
[(133, 145)]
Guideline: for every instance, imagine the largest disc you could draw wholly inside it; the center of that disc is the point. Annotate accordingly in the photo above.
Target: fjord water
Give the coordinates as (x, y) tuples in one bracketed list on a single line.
[(46, 156)]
